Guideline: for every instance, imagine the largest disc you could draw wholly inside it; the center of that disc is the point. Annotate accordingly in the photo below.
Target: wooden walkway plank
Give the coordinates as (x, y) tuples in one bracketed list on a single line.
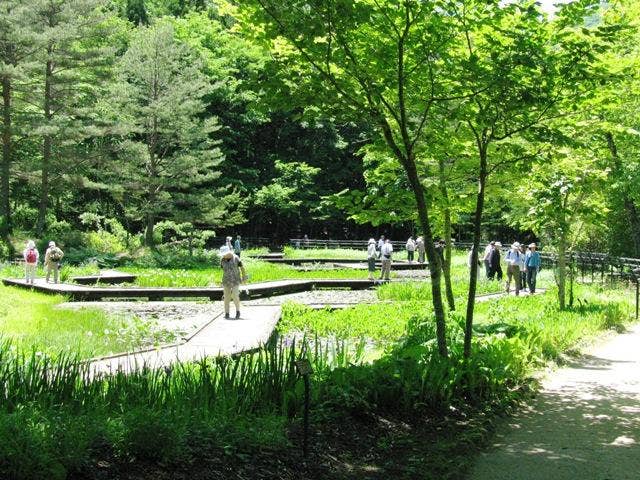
[(218, 338)]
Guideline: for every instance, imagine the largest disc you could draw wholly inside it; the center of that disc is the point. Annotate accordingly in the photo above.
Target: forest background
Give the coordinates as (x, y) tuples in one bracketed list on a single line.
[(129, 123)]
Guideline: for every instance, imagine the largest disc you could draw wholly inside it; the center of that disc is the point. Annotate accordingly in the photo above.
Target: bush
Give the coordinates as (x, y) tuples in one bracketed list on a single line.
[(154, 436), (25, 453)]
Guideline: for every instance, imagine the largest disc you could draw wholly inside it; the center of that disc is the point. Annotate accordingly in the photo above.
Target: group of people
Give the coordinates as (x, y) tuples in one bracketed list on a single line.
[(413, 246), (52, 258), (523, 263)]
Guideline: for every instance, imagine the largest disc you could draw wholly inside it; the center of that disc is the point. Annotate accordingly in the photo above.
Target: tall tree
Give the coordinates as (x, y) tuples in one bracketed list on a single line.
[(18, 42), (171, 159), (522, 68), (73, 60), (382, 60)]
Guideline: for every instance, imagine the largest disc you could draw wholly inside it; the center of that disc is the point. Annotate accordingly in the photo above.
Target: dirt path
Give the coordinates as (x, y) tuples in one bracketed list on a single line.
[(584, 424)]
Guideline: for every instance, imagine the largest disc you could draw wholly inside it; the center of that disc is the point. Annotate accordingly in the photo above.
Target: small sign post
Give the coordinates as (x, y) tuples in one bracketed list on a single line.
[(305, 370)]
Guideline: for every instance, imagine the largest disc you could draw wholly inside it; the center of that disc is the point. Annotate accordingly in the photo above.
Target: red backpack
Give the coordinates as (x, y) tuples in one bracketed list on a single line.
[(32, 256)]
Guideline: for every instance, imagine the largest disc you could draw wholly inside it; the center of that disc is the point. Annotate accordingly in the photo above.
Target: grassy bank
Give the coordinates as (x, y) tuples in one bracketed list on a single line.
[(229, 415)]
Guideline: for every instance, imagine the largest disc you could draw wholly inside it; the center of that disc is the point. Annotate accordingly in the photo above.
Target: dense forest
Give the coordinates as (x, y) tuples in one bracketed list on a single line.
[(151, 120)]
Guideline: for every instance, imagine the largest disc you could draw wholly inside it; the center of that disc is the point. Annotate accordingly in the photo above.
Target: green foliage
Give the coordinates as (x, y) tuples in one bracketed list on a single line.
[(40, 325)]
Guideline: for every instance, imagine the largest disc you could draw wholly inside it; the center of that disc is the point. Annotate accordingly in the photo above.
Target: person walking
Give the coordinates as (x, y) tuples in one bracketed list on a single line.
[(495, 267), (486, 259), (372, 253), (237, 246), (523, 267), (52, 258), (31, 256), (532, 266), (233, 274), (411, 248), (386, 251), (513, 267), (380, 245), (420, 248)]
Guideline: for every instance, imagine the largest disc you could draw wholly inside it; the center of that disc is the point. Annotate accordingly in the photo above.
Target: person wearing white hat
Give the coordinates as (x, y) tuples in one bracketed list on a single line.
[(513, 266), (372, 253), (52, 258), (31, 256), (233, 273)]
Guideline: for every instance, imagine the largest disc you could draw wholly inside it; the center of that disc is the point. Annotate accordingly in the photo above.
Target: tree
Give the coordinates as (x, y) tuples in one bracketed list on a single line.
[(561, 198), (382, 60), (523, 70), (171, 159), (73, 62), (18, 43), (288, 199)]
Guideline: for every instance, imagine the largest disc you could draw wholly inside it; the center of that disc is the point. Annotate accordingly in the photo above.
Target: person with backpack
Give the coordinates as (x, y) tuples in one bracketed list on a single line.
[(52, 258), (31, 256), (233, 274)]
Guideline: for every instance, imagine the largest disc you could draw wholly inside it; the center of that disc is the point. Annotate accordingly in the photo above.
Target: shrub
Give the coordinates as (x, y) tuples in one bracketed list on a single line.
[(153, 435), (25, 453)]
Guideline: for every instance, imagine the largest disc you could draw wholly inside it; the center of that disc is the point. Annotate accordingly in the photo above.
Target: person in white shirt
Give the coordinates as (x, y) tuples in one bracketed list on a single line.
[(372, 254), (513, 266), (487, 258), (385, 252), (411, 248)]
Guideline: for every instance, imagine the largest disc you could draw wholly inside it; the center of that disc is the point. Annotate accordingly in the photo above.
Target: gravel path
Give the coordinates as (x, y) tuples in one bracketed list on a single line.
[(584, 424)]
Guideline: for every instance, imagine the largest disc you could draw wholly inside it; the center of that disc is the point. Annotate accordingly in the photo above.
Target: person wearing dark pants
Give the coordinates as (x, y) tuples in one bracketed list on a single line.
[(532, 265)]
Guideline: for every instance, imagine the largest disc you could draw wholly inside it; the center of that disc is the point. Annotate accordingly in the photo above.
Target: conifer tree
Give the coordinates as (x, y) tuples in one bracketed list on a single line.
[(170, 158)]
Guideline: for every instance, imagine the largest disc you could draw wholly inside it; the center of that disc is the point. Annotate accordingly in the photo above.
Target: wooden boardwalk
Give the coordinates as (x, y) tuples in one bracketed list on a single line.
[(217, 338), (111, 277), (252, 290)]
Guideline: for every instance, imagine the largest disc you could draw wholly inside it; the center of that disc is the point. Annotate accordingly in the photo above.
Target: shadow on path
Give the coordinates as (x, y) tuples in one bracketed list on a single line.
[(584, 424)]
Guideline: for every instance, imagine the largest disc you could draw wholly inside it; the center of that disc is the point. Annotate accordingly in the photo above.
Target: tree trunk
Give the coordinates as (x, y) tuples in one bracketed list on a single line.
[(409, 164), (148, 233), (432, 256), (477, 224), (562, 270), (5, 185), (446, 268), (46, 150)]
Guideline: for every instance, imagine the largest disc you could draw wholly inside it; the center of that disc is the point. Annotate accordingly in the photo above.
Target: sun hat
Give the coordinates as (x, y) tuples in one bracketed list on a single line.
[(52, 243), (515, 245), (532, 245), (31, 244), (224, 250), (372, 240)]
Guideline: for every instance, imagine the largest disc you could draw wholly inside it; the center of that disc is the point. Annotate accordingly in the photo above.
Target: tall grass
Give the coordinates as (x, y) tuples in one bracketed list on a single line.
[(382, 323), (165, 415)]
